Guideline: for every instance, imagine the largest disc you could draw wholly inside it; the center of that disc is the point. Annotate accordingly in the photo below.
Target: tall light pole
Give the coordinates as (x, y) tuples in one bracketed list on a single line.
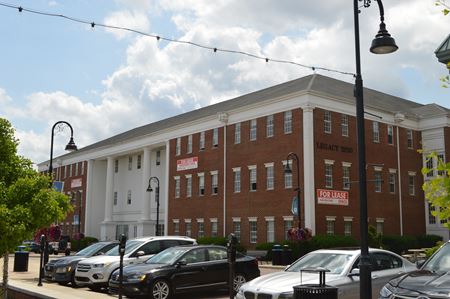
[(288, 170), (71, 146), (382, 44), (150, 189)]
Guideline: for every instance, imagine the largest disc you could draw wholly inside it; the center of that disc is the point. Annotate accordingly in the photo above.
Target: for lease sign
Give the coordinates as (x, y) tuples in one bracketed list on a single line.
[(188, 163), (332, 197)]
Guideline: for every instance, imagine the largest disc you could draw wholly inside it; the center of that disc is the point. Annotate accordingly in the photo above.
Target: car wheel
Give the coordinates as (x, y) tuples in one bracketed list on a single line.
[(239, 279), (62, 283), (161, 289), (95, 288)]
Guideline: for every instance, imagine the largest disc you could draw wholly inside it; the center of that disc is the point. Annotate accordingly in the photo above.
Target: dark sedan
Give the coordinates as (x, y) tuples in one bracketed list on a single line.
[(184, 269), (431, 281), (62, 269)]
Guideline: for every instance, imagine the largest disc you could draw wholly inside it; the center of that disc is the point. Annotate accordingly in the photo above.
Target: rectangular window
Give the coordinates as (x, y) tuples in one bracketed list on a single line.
[(178, 147), (442, 220), (188, 229), (409, 136), (139, 162), (269, 177), (329, 175), (237, 133), (201, 229), (214, 229), (188, 186), (176, 228), (134, 231), (288, 224), (270, 230), (288, 122), (330, 226), (412, 185), (237, 180), (346, 177), (344, 125), (70, 170), (252, 175), (253, 129), (82, 168), (288, 180), (327, 122), (390, 134), (130, 163), (269, 126), (116, 166), (378, 181), (201, 184), (177, 186), (129, 197), (202, 140), (431, 217), (253, 231), (440, 159), (158, 158), (380, 227), (76, 169), (392, 182), (214, 183), (121, 229), (430, 166), (189, 144), (115, 198), (215, 137), (237, 229), (375, 132), (347, 228)]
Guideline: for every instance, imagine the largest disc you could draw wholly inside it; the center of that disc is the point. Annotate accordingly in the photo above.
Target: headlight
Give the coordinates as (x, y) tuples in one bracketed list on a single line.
[(386, 291), (136, 277), (287, 295), (100, 265), (64, 269)]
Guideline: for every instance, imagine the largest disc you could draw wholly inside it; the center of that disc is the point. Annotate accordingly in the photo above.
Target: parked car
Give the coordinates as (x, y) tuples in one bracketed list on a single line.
[(343, 273), (62, 270), (184, 269), (95, 272), (431, 280)]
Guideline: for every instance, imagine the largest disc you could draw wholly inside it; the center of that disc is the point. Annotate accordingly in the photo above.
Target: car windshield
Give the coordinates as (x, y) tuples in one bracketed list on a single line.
[(440, 262), (90, 250), (168, 256), (335, 262), (129, 247)]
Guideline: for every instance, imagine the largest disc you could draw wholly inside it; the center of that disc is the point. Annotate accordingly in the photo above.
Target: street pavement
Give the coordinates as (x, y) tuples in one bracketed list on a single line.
[(29, 280)]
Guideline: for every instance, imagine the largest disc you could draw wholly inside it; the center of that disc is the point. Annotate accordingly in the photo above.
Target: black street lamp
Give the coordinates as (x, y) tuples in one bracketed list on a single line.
[(150, 189), (288, 170), (69, 147), (382, 44)]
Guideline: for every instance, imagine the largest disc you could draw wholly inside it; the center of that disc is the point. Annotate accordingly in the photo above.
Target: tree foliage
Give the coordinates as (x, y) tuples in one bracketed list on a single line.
[(26, 201), (437, 189)]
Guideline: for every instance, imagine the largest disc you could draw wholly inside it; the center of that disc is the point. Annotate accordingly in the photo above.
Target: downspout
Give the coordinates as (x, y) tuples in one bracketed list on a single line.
[(398, 118), (223, 118)]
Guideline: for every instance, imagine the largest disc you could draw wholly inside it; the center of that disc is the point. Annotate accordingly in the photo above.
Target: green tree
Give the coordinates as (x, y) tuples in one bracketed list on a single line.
[(437, 189), (26, 201)]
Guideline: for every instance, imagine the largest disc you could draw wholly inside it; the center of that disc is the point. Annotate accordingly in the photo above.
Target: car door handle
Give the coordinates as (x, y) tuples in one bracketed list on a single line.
[(374, 276)]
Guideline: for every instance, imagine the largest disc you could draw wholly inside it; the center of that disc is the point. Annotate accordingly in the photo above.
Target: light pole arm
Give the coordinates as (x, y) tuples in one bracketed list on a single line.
[(50, 166)]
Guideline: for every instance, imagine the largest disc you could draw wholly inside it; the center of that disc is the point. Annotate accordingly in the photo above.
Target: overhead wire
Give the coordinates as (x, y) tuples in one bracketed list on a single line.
[(172, 40)]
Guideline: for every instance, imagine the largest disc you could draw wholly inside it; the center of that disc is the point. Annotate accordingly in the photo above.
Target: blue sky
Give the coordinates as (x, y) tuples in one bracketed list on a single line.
[(107, 81)]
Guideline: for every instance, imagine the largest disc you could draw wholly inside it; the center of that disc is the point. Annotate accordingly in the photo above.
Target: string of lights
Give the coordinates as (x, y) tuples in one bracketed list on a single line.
[(171, 40)]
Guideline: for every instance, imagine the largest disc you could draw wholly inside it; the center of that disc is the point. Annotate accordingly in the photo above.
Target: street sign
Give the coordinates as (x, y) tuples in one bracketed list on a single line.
[(294, 206)]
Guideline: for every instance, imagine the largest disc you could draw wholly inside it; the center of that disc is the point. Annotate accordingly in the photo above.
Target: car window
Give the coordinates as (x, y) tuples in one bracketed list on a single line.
[(184, 242), (194, 256), (216, 254), (108, 247), (383, 261), (440, 261), (151, 247), (334, 262)]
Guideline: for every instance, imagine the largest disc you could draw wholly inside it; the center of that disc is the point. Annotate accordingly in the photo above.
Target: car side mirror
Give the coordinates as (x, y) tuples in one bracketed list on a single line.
[(354, 272), (140, 253), (100, 253), (181, 263)]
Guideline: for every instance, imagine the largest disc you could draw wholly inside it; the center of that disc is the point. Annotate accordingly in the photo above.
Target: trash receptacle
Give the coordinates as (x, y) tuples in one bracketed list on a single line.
[(276, 254), (286, 255), (315, 291), (21, 261)]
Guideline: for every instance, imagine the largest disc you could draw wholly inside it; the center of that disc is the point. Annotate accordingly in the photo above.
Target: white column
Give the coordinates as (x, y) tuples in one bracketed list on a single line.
[(166, 189), (145, 178), (89, 190), (109, 190), (308, 166)]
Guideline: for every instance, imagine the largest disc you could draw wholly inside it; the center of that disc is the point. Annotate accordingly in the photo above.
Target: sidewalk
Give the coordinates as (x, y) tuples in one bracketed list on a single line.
[(26, 282)]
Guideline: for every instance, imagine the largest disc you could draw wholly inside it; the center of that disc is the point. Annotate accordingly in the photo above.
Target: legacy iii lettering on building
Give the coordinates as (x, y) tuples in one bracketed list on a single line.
[(332, 197)]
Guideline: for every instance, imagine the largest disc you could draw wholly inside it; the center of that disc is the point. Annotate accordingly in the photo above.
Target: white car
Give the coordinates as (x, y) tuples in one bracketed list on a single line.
[(95, 272), (343, 274)]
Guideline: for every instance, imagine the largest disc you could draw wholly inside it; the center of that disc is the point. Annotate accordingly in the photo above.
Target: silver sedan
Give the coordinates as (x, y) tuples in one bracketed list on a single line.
[(342, 272)]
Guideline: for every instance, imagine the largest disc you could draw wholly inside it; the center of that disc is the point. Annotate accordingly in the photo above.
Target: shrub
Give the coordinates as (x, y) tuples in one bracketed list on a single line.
[(399, 244), (77, 245), (428, 241)]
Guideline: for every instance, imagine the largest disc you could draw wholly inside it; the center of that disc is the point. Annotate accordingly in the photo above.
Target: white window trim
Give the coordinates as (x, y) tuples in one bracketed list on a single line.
[(269, 218), (235, 169), (213, 172), (328, 162), (391, 170), (213, 220), (250, 167), (348, 219), (236, 219), (378, 168), (187, 220), (412, 173), (288, 218), (176, 220), (271, 164), (188, 175), (252, 219), (346, 164), (330, 218), (200, 220), (201, 174)]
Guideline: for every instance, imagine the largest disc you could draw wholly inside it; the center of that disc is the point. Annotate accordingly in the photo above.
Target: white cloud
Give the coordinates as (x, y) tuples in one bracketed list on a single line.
[(134, 20)]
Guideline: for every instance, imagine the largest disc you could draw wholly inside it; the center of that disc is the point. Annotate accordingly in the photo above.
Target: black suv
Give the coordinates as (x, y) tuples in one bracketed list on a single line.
[(431, 281)]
